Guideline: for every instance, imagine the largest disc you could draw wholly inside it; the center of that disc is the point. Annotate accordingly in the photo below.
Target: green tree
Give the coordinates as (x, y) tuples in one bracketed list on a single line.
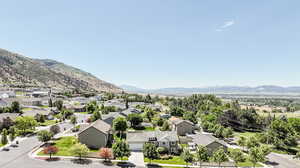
[(150, 151), (121, 149), (12, 133), (166, 126), (96, 115), (242, 141), (45, 136), (4, 139), (149, 113), (120, 125), (176, 111), (256, 155), (202, 155), (25, 123), (91, 107), (237, 155), (135, 119), (73, 119), (219, 156), (79, 150), (59, 104), (190, 116), (228, 133), (15, 107), (252, 142), (187, 156)]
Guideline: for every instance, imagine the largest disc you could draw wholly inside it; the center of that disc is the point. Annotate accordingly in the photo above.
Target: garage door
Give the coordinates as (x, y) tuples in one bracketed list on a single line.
[(136, 146)]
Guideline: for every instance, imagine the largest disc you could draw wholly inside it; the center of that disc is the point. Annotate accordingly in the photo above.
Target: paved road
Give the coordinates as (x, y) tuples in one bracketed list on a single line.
[(81, 118), (19, 158), (281, 162)]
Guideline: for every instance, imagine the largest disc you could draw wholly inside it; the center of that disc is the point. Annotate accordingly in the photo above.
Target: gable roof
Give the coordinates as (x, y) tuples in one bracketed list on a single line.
[(100, 126), (108, 118), (160, 136), (3, 103), (12, 116), (131, 111), (180, 121), (206, 139)]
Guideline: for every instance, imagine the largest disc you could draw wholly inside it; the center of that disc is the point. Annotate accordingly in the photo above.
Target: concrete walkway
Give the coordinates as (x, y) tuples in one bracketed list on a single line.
[(137, 158)]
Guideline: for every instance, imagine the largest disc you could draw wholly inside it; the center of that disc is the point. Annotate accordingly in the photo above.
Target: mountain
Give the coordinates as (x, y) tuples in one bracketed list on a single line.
[(17, 69), (264, 89)]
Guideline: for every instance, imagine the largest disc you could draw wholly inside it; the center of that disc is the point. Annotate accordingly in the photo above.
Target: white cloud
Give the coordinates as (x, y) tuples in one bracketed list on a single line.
[(225, 25)]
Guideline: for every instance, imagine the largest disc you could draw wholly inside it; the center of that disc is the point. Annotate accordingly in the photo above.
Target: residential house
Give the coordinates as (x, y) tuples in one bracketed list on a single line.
[(182, 127), (207, 140), (118, 103), (109, 118), (3, 103), (49, 115), (131, 111), (37, 94), (6, 119), (167, 139), (76, 108), (7, 94), (96, 135)]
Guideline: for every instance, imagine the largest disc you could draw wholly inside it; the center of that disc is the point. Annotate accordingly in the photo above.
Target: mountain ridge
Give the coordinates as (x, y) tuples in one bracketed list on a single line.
[(21, 70), (262, 89)]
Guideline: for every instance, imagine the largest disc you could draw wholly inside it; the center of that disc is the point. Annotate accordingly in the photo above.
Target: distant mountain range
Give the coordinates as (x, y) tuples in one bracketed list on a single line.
[(265, 89), (19, 70)]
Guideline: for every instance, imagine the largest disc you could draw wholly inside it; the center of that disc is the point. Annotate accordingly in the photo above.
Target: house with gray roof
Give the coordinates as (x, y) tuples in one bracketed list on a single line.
[(131, 111), (3, 103), (96, 135), (166, 139), (7, 118), (7, 94), (207, 140), (109, 118)]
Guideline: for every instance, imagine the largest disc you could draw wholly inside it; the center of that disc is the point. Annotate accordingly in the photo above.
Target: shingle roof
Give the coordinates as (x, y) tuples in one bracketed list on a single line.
[(179, 121), (12, 116), (131, 111), (161, 136), (99, 125), (205, 139)]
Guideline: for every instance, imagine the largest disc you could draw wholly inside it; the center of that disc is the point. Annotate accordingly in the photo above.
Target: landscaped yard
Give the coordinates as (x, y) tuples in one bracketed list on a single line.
[(63, 144), (48, 122), (142, 129), (244, 134), (175, 160), (247, 163)]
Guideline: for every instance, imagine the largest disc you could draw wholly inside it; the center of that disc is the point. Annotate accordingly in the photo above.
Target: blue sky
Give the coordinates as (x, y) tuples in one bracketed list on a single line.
[(161, 43)]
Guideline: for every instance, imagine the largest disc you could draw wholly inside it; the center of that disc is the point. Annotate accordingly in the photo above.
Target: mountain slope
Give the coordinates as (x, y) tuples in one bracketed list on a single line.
[(20, 70)]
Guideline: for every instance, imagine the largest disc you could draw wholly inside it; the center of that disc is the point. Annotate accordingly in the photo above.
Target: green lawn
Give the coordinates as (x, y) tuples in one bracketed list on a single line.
[(247, 163), (48, 122), (63, 144), (174, 160), (85, 112), (26, 109), (244, 134), (1, 144)]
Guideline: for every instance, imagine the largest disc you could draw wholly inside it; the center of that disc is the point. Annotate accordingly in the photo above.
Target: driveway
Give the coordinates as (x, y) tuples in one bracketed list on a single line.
[(137, 158), (282, 161), (81, 118)]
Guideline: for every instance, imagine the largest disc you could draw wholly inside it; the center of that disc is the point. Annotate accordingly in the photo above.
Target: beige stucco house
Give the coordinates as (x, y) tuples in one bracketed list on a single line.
[(96, 136), (183, 127)]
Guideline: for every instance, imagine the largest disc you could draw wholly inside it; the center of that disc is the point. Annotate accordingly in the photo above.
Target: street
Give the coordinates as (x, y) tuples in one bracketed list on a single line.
[(279, 161)]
